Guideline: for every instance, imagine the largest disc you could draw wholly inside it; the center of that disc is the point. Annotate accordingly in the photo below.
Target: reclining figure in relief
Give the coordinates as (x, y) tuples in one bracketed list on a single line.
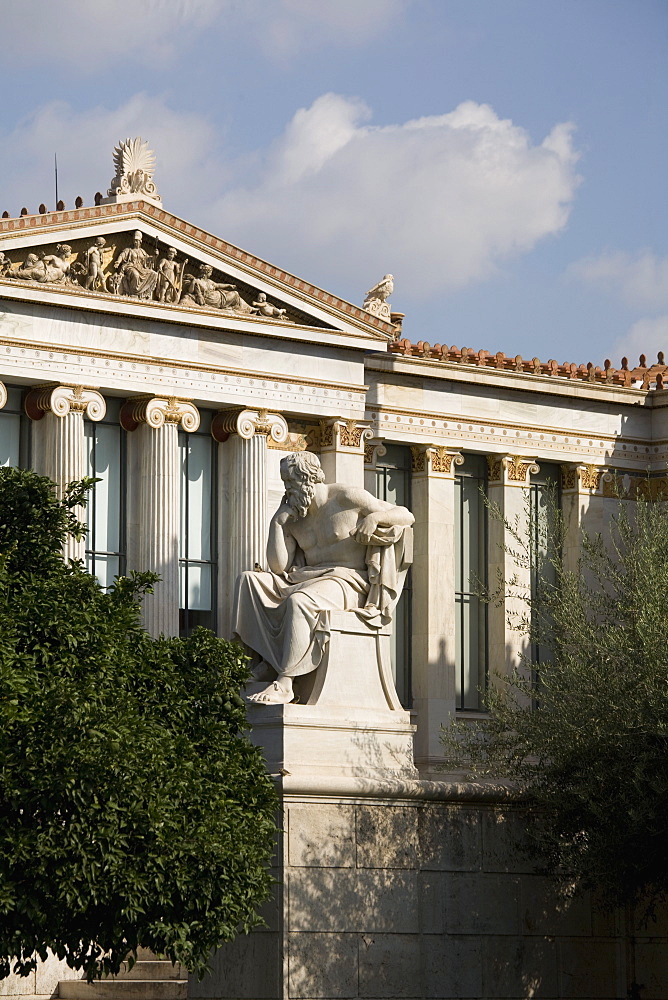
[(330, 547)]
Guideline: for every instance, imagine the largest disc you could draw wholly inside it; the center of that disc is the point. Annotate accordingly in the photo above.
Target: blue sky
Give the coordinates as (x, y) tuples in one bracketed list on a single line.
[(506, 160)]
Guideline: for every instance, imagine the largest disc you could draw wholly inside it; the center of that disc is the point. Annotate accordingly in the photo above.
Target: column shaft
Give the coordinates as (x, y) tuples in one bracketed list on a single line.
[(59, 450), (65, 462), (159, 525), (156, 422), (508, 491), (248, 503), (433, 645)]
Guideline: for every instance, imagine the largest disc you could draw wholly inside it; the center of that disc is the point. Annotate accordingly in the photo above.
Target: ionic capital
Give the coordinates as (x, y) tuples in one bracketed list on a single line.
[(511, 470), (63, 399), (3, 395), (338, 433), (583, 478), (434, 460), (247, 423), (155, 411), (373, 450)]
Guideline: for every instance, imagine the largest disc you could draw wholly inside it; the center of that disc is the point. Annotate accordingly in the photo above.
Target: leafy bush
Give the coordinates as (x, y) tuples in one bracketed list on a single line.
[(133, 808), (586, 740)]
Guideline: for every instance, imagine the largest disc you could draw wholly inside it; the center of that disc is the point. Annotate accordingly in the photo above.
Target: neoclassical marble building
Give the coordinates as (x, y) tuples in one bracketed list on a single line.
[(179, 370)]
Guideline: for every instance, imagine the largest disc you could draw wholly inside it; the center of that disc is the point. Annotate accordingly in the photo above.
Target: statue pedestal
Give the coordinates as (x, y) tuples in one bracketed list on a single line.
[(349, 721)]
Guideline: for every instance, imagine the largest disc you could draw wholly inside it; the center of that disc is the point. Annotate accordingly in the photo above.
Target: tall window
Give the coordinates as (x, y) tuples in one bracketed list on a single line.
[(105, 512), (393, 483), (470, 571), (14, 431), (544, 493), (197, 562)]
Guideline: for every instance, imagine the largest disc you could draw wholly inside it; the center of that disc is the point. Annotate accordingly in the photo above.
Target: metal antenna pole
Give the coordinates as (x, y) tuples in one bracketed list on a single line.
[(55, 168)]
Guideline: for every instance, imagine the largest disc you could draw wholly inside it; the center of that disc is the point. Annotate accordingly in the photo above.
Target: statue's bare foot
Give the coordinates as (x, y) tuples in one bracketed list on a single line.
[(263, 671), (274, 694)]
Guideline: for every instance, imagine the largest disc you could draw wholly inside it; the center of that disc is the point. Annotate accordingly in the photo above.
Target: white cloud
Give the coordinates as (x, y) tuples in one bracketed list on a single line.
[(290, 26), (647, 336), (90, 35), (189, 165), (640, 280), (438, 201), (86, 35)]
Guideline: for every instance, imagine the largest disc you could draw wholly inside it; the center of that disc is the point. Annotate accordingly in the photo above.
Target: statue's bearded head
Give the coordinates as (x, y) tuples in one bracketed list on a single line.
[(301, 472)]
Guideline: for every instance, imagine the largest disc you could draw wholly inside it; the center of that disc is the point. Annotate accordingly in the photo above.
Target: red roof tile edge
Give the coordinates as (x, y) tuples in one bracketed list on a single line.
[(653, 376)]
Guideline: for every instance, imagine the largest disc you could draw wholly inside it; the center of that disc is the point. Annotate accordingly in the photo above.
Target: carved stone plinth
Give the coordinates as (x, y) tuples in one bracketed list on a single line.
[(349, 721)]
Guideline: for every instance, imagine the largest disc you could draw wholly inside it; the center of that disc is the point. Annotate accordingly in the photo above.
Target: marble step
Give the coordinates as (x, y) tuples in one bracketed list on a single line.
[(152, 968), (124, 989)]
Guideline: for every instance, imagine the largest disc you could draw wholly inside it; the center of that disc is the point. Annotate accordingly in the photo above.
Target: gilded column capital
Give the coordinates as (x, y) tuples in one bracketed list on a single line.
[(247, 423), (511, 470), (63, 399), (3, 395), (155, 411), (373, 450), (435, 460), (583, 478), (338, 433)]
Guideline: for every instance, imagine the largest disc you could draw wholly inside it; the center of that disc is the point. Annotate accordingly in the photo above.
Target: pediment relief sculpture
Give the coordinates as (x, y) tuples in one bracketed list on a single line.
[(126, 268)]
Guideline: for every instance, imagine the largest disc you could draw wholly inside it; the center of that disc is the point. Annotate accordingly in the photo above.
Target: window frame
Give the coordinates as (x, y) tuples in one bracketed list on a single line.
[(462, 596), (91, 552), (186, 625)]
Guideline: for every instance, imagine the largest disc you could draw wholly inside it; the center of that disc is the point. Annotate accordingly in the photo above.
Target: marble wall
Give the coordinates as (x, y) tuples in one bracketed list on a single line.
[(417, 899)]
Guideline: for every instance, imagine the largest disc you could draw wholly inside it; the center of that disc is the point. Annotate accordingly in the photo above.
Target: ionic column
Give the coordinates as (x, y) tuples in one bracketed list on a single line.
[(156, 422), (508, 482), (243, 434), (59, 444), (342, 450), (3, 395), (433, 626), (580, 484)]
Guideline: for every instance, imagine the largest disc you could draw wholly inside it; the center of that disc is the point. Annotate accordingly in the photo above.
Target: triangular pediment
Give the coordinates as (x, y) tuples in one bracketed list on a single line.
[(137, 258)]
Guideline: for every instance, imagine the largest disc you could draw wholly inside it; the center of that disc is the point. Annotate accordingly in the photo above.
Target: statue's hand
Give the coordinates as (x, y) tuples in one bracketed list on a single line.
[(284, 514), (366, 529)]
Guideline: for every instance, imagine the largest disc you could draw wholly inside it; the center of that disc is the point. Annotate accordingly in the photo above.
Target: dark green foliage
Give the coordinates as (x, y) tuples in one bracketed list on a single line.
[(133, 809), (587, 740)]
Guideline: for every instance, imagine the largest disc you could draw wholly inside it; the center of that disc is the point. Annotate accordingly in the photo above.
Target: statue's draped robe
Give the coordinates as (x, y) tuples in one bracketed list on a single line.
[(285, 618)]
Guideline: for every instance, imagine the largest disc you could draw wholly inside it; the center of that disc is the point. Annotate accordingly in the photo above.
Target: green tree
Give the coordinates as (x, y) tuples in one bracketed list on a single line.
[(133, 808), (585, 740)]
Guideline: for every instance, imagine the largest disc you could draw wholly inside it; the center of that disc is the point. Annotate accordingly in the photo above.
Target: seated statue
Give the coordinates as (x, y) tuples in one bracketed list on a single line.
[(330, 547)]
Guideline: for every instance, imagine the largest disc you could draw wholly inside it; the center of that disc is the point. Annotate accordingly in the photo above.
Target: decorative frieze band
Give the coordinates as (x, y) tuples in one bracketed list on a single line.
[(157, 410), (63, 399), (247, 423)]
